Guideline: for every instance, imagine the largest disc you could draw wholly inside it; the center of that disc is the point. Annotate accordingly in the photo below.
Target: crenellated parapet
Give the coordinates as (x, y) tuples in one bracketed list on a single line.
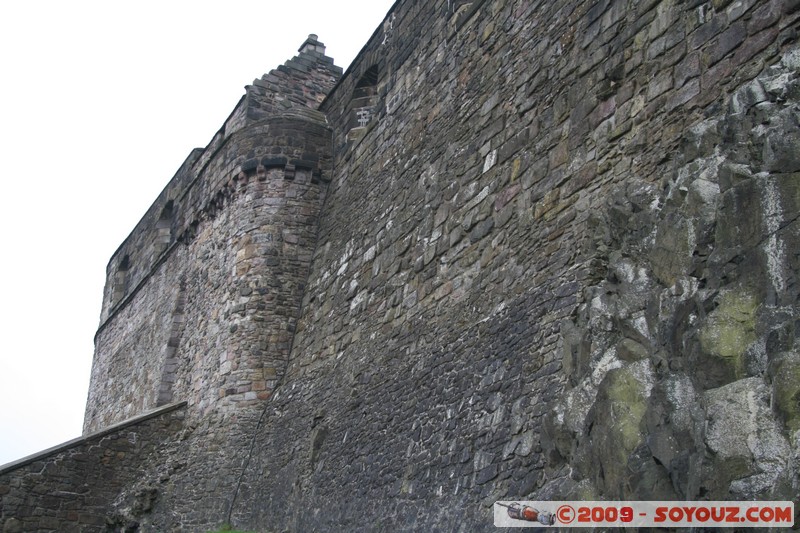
[(289, 94)]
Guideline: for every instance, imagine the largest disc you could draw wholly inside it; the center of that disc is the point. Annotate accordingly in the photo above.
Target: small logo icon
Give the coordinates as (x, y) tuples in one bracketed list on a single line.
[(528, 514)]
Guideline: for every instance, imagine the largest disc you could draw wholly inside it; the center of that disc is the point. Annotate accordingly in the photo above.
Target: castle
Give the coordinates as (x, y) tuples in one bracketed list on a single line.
[(520, 249)]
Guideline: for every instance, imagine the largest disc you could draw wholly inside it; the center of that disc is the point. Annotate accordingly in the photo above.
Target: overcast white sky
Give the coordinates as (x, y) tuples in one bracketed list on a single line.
[(100, 103)]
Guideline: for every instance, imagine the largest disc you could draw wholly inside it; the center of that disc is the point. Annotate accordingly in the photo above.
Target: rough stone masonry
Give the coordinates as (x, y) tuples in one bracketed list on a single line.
[(520, 249)]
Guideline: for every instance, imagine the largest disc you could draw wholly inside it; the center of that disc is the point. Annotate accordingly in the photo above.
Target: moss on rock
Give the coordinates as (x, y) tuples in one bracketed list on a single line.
[(617, 427), (729, 330)]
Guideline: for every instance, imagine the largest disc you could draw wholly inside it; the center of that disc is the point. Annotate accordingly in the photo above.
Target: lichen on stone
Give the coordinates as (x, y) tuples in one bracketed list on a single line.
[(730, 329)]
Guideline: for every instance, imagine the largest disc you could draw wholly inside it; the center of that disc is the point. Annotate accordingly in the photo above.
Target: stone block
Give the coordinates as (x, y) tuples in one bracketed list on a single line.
[(687, 69), (683, 95), (737, 467), (662, 83), (727, 41), (705, 33)]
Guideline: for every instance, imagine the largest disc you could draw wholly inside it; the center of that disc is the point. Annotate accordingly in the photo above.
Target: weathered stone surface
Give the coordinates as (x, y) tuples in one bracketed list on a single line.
[(556, 258), (725, 337), (749, 449), (616, 425), (785, 372)]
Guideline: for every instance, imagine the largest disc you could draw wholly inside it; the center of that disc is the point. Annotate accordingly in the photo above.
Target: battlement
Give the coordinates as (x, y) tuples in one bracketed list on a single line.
[(294, 89)]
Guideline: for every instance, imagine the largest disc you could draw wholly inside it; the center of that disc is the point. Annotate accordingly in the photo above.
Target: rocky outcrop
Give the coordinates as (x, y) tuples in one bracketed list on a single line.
[(683, 364)]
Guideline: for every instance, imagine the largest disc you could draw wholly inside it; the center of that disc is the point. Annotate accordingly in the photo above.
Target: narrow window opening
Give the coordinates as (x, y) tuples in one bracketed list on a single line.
[(120, 286), (364, 103), (164, 229)]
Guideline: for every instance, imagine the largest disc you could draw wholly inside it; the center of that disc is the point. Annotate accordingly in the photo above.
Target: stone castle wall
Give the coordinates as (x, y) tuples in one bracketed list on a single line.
[(547, 291), (201, 299), (556, 260), (73, 487)]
